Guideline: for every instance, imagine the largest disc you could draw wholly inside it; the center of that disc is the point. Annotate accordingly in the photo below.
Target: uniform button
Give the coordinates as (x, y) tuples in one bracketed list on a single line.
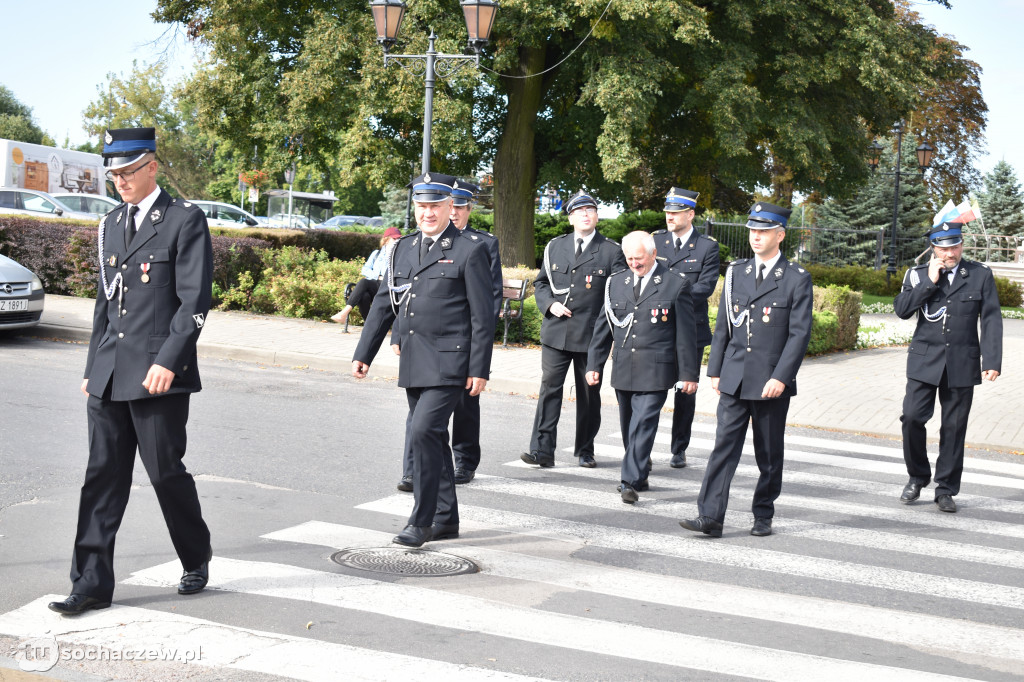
[(570, 298), (124, 267), (751, 305), (412, 331), (574, 271), (947, 344), (150, 256), (126, 288), (124, 312), (748, 349), (414, 295), (121, 335), (412, 314), (458, 347), (634, 336), (571, 286), (632, 350), (185, 368), (416, 279)]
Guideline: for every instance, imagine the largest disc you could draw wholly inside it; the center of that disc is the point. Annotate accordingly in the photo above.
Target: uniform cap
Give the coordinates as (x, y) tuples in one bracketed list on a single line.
[(463, 192), (765, 216), (124, 146), (946, 234), (579, 200), (431, 188), (680, 199)]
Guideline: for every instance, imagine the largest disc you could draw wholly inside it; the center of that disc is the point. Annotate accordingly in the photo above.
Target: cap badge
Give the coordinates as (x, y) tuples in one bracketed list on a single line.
[(108, 138), (426, 177), (757, 208), (455, 185)]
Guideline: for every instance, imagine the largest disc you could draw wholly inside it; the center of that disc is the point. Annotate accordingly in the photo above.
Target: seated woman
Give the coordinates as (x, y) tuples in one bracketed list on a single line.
[(373, 271)]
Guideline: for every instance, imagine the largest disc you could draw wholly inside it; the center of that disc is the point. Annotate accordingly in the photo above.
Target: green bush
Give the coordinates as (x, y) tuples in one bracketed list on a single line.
[(857, 277), (845, 304), (1010, 292), (824, 333), (339, 245), (531, 324)]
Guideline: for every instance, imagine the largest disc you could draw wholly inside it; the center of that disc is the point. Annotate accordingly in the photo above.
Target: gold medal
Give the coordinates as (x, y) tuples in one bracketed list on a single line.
[(765, 319), (588, 286), (145, 280), (664, 318)]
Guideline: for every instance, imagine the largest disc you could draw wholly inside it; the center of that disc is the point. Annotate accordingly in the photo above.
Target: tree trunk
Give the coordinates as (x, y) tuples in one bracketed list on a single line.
[(515, 164)]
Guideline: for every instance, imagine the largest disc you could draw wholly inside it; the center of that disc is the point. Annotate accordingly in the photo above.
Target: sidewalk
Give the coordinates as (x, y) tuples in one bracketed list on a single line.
[(857, 391)]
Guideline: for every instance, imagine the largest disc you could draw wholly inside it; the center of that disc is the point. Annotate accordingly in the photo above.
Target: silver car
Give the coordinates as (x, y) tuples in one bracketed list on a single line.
[(21, 295), (86, 203), (32, 202), (220, 214)]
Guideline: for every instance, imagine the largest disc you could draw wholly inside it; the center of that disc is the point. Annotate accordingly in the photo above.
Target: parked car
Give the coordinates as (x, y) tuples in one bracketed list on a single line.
[(21, 295), (87, 203), (32, 202), (225, 215), (299, 222), (340, 221)]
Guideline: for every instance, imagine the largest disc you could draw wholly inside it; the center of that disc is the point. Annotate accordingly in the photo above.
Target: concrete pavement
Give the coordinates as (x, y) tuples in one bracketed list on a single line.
[(857, 391)]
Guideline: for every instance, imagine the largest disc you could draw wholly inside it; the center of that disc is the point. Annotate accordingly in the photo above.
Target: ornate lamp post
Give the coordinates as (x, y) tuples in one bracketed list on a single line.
[(924, 161), (388, 15)]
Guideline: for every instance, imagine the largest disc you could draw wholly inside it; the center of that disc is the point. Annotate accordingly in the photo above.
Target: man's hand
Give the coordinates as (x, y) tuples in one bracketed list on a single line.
[(687, 387), (359, 369), (714, 385), (396, 349), (85, 386), (935, 269), (559, 310), (593, 378), (158, 380), (773, 389), (475, 385), (988, 375)]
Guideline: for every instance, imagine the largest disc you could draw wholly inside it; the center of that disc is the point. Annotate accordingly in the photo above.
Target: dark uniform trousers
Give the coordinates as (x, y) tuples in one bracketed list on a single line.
[(565, 340), (155, 318), (698, 259), (770, 346), (946, 356), (649, 355), (444, 325)]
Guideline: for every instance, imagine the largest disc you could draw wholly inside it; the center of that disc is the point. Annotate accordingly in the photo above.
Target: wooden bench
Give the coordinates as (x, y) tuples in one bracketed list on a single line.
[(512, 291)]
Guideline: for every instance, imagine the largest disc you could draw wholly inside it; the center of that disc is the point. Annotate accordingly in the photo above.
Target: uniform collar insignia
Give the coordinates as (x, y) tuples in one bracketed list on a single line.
[(154, 216), (629, 278), (963, 272), (778, 272), (747, 271), (446, 243), (119, 216), (657, 279)]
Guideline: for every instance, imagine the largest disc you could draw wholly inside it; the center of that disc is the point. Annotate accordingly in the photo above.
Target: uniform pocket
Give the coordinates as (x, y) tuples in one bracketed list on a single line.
[(444, 283), (157, 264), (453, 356), (156, 342)]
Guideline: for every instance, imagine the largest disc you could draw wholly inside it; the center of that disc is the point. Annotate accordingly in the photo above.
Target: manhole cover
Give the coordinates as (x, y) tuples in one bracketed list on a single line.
[(400, 561)]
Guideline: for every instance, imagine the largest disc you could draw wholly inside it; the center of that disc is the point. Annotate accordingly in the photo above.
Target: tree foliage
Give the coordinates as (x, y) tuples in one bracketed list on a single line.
[(16, 121), (1002, 203)]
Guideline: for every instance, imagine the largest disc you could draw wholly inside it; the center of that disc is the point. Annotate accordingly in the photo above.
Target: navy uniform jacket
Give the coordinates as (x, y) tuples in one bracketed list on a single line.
[(698, 260), (650, 353), (159, 320), (602, 257), (494, 257), (447, 317), (773, 349), (951, 344)]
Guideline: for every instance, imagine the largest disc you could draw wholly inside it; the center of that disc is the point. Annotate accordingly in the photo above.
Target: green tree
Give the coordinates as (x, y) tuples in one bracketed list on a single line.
[(1002, 203), (625, 98), (16, 121)]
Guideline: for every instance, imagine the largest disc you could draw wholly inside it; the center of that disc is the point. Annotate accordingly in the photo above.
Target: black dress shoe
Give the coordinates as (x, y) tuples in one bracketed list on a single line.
[(629, 495), (194, 581), (762, 526), (642, 486), (703, 524), (678, 460), (464, 475), (76, 604), (587, 461), (911, 491), (946, 503), (444, 531), (413, 536), (538, 458), (405, 485)]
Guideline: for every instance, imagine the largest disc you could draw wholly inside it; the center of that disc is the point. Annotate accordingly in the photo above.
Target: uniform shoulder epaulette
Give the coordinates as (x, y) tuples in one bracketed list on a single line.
[(619, 272), (116, 208), (662, 257), (738, 261), (411, 234), (611, 241), (485, 233), (662, 231), (800, 270), (186, 204), (707, 236)]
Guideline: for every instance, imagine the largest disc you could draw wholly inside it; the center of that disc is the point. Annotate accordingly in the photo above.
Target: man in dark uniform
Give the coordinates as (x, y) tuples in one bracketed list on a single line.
[(466, 420), (438, 285), (154, 295), (569, 290), (683, 249), (761, 336), (949, 295), (652, 352)]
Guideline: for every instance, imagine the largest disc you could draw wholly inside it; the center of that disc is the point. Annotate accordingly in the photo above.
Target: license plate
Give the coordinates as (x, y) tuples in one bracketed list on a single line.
[(13, 305)]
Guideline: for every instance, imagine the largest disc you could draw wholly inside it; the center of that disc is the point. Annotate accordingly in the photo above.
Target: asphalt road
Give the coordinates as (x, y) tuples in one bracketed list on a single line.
[(293, 465)]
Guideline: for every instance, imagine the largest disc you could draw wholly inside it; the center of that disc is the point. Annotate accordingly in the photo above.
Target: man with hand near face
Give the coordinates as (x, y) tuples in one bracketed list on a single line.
[(438, 285), (949, 295), (761, 336), (570, 294), (155, 290), (648, 321)]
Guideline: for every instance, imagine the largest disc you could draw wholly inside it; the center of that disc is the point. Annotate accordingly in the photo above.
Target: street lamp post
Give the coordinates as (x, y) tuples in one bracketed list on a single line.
[(387, 17), (924, 161)]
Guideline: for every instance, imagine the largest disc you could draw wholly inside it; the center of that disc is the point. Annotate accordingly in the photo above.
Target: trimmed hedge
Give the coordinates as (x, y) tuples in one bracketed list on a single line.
[(52, 249), (339, 245), (844, 304), (824, 333)]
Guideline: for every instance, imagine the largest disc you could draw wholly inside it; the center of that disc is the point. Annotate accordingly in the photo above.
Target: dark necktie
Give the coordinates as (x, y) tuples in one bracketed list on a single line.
[(760, 274), (579, 247), (636, 288), (944, 279), (424, 247), (129, 227), (679, 244)]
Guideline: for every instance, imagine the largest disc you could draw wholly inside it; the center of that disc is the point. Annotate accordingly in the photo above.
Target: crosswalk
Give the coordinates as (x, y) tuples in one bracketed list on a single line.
[(573, 584)]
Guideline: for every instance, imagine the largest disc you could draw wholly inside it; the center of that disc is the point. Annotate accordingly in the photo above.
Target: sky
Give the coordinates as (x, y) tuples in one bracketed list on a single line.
[(60, 80)]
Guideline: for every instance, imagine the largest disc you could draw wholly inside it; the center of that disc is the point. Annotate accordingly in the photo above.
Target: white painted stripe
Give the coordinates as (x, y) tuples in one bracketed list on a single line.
[(892, 512), (127, 629), (915, 630), (477, 615), (846, 535), (686, 545)]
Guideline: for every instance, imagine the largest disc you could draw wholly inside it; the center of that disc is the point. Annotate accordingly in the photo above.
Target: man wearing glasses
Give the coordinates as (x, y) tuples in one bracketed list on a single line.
[(156, 273), (570, 294)]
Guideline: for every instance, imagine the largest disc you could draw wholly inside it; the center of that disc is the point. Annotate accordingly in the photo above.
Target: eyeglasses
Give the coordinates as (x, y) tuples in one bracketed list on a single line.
[(586, 210), (126, 176)]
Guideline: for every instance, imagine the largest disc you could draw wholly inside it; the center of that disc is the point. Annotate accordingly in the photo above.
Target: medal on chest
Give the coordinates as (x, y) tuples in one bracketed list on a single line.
[(145, 272), (767, 310), (654, 315), (664, 314), (590, 278)]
